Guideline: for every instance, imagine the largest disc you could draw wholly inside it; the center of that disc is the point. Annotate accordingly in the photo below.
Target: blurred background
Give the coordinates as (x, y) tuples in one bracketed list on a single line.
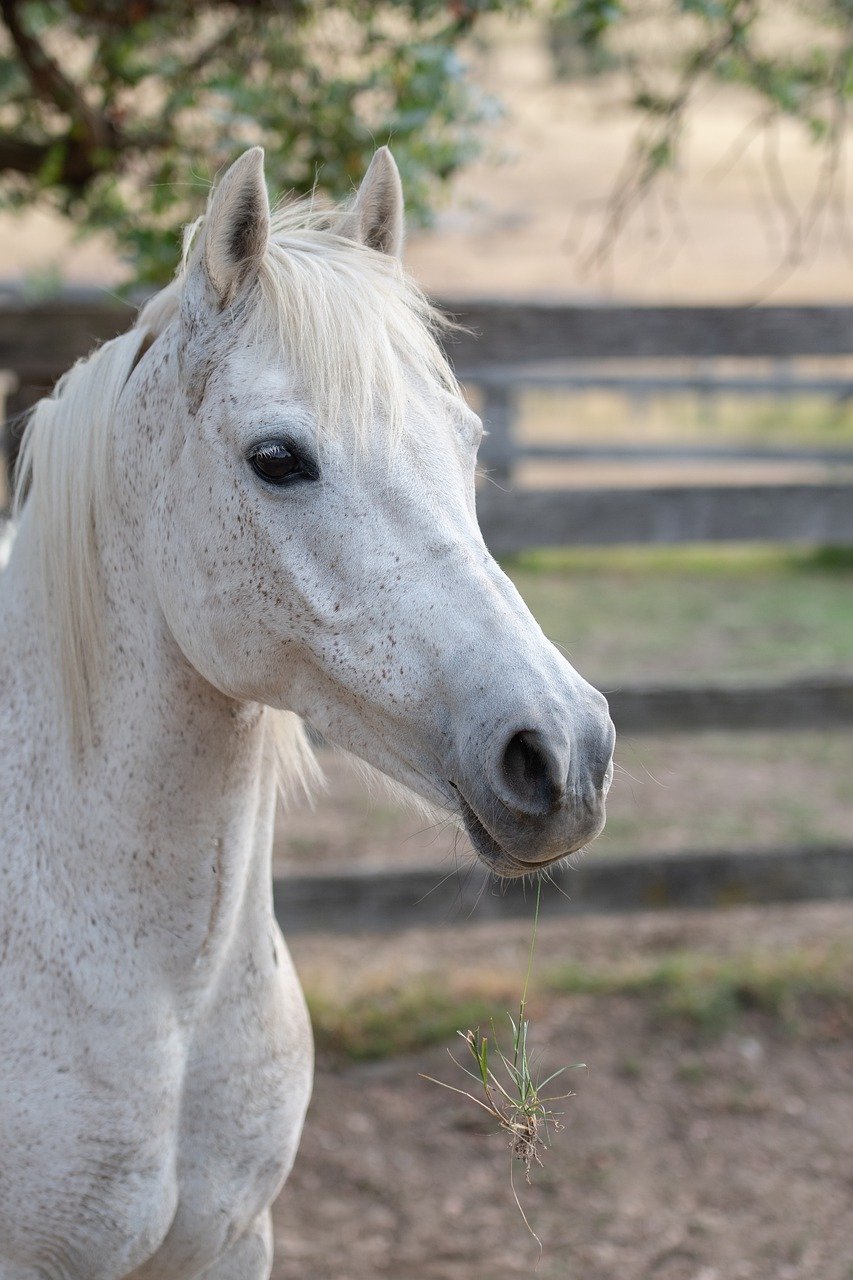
[(641, 212)]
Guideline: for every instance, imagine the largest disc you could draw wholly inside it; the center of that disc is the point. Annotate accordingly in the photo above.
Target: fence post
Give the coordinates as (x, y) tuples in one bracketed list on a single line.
[(8, 389), (20, 396), (498, 451)]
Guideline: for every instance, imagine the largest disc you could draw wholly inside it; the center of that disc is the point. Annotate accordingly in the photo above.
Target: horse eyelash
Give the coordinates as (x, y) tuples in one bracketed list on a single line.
[(272, 449)]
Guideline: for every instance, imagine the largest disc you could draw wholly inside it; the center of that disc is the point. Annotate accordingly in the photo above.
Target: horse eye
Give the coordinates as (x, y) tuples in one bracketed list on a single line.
[(277, 463)]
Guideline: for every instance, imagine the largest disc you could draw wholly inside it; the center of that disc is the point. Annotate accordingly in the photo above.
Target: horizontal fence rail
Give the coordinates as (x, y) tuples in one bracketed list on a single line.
[(646, 385), (40, 338), (806, 514), (377, 901), (502, 448), (764, 453), (821, 702), (500, 332), (816, 702)]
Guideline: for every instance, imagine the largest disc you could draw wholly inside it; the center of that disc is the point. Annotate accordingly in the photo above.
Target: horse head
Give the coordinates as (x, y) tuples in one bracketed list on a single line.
[(310, 468)]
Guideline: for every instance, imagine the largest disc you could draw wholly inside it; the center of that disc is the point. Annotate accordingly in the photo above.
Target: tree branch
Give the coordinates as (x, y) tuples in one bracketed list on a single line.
[(52, 85), (21, 157), (29, 158), (77, 169), (642, 165)]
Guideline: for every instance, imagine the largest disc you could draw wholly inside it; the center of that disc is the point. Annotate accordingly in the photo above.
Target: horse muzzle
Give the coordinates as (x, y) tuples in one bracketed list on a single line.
[(540, 795)]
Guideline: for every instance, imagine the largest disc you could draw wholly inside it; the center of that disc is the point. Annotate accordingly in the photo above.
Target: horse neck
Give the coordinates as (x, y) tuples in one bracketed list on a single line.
[(174, 796)]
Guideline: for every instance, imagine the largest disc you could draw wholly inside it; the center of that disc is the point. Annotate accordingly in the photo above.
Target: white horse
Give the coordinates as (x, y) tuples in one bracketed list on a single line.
[(254, 508)]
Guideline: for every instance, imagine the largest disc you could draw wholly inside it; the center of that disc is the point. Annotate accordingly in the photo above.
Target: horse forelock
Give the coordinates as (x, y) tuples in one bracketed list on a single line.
[(356, 332)]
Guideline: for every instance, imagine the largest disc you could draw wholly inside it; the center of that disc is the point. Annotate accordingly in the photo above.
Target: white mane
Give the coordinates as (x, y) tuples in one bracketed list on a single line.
[(355, 328), (356, 332), (63, 478)]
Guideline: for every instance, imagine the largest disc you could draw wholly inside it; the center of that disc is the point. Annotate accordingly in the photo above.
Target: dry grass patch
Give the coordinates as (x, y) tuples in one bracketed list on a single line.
[(794, 988), (383, 1024), (804, 989)]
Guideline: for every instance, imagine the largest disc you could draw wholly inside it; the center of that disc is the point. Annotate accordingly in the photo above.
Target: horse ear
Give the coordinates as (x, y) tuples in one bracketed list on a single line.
[(376, 216), (237, 226), (224, 261)]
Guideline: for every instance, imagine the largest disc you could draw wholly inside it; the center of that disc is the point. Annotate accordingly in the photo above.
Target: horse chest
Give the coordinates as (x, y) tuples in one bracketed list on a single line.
[(246, 1088), (242, 1114), (147, 1152)]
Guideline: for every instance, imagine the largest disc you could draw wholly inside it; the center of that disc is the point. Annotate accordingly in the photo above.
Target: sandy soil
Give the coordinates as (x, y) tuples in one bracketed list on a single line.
[(681, 1158)]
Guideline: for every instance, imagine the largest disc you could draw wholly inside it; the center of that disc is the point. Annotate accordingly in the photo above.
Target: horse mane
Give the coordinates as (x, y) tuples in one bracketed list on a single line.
[(61, 482), (356, 331)]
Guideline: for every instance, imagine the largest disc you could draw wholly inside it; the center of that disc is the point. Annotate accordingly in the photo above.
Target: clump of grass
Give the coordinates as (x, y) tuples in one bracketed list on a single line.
[(510, 1088), (511, 1094)]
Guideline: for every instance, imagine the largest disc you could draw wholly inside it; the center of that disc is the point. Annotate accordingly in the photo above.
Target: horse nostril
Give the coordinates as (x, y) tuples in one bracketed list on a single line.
[(533, 773)]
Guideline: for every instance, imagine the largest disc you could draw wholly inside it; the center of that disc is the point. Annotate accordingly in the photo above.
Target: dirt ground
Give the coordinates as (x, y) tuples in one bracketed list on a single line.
[(683, 1157)]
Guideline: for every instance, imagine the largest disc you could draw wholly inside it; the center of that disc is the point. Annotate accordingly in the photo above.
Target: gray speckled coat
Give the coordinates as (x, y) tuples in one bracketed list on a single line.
[(155, 1052)]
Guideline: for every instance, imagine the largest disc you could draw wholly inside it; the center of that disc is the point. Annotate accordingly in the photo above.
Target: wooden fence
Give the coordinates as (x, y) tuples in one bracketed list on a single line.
[(500, 348), (373, 900)]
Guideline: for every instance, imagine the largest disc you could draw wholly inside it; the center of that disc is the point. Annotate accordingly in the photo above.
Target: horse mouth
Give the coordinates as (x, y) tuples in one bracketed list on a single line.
[(498, 859)]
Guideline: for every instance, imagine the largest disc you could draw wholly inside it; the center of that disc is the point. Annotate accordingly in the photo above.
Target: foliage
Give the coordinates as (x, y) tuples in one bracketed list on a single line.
[(806, 77), (120, 114)]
